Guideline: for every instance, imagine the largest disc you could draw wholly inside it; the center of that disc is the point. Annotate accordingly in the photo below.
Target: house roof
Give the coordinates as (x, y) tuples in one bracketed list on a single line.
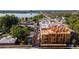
[(7, 39)]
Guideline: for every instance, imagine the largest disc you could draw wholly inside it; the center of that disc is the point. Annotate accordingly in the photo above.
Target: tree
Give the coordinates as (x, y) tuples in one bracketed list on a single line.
[(73, 22), (37, 17), (25, 19), (20, 32), (7, 21)]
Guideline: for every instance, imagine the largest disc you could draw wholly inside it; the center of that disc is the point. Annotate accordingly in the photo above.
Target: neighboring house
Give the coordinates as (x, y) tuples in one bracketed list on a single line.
[(44, 23), (7, 40)]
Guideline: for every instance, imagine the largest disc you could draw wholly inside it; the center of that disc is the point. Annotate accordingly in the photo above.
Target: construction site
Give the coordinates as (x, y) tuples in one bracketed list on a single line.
[(52, 33)]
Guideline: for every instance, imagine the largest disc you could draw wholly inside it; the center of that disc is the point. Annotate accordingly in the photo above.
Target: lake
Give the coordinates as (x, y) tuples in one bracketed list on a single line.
[(19, 15)]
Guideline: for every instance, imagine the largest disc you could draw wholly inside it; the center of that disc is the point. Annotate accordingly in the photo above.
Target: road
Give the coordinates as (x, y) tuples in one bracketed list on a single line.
[(45, 15), (15, 46)]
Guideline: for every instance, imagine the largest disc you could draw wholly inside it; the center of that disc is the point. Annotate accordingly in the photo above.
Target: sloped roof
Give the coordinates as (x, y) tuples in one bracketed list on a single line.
[(56, 29), (7, 39)]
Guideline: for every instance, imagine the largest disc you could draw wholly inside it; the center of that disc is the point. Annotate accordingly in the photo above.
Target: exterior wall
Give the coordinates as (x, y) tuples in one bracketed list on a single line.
[(55, 39)]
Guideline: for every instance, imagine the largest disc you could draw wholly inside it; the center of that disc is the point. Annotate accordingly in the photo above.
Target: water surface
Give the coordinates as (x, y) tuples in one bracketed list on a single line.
[(20, 14)]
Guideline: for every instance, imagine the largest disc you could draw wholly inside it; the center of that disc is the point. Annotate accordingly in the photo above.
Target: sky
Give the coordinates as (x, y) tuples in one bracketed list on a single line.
[(39, 4)]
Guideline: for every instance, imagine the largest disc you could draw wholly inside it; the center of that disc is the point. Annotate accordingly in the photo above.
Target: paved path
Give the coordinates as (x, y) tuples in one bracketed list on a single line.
[(15, 46)]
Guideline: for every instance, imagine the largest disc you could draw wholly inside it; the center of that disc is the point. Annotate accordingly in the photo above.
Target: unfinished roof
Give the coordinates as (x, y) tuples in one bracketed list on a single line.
[(62, 29)]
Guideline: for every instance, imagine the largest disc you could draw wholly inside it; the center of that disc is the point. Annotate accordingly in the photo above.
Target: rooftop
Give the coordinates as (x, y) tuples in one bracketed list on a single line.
[(7, 40)]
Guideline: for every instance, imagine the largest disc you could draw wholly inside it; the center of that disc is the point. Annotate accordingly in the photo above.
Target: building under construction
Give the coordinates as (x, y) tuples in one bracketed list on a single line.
[(52, 34)]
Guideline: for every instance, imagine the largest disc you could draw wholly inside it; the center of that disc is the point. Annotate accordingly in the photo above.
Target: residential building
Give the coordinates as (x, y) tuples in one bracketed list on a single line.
[(54, 34)]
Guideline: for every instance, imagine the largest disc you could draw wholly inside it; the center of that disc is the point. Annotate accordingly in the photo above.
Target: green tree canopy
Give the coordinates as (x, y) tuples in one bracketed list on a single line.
[(7, 21), (20, 32), (37, 17), (73, 22)]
